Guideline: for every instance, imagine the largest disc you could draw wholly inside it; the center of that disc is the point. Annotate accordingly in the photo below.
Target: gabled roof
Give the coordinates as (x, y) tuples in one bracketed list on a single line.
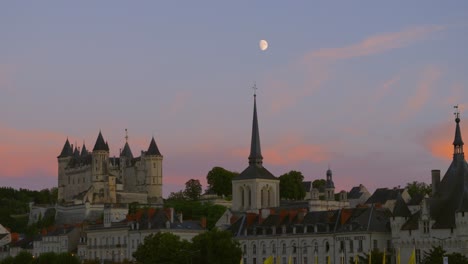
[(401, 208), (153, 149), (382, 195), (355, 193), (255, 172), (100, 143)]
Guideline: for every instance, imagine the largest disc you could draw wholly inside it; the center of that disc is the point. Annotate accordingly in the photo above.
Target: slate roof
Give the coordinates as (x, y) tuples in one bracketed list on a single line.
[(369, 219), (84, 151), (255, 172), (307, 186), (451, 195), (401, 208), (382, 195), (67, 151), (100, 143), (153, 149), (126, 151)]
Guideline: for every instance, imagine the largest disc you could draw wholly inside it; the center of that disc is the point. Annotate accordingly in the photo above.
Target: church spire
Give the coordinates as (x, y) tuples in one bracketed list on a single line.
[(457, 142), (255, 157)]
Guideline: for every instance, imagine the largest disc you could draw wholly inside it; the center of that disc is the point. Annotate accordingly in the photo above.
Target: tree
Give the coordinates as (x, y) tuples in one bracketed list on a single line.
[(317, 184), (177, 196), (23, 257), (67, 258), (193, 189), (162, 248), (220, 181), (419, 188), (376, 258), (216, 247), (436, 255), (291, 186)]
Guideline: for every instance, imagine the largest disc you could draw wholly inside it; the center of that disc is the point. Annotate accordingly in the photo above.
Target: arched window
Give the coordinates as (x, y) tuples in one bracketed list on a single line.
[(254, 249), (250, 198), (242, 197)]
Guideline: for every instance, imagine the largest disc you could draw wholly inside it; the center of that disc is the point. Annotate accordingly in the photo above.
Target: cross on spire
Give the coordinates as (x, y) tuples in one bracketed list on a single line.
[(457, 111), (254, 88)]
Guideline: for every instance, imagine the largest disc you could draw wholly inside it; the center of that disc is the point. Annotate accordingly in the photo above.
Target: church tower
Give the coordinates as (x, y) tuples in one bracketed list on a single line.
[(329, 187), (153, 164), (255, 188)]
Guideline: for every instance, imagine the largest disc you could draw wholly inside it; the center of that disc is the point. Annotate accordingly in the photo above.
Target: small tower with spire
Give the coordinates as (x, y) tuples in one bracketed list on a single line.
[(457, 142), (100, 159), (63, 160), (329, 186), (153, 164), (255, 188)]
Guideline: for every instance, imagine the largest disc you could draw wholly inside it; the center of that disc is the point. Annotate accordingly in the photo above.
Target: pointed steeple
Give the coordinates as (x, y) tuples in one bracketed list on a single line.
[(67, 151), (153, 149), (76, 152), (255, 157), (127, 152), (84, 151), (100, 143), (457, 142)]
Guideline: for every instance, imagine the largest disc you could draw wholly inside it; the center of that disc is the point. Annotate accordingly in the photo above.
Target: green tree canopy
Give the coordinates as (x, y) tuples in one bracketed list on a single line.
[(291, 186), (319, 183), (193, 189), (162, 248), (436, 254), (216, 247), (220, 181), (180, 196), (421, 188)]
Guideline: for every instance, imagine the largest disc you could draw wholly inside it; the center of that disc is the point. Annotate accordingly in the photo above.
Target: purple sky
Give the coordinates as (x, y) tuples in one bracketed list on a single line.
[(363, 86)]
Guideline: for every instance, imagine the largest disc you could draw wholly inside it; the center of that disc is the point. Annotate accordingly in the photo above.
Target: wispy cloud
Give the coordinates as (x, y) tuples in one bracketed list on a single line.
[(422, 94), (438, 139), (376, 44), (385, 88), (28, 152), (310, 72), (290, 150)]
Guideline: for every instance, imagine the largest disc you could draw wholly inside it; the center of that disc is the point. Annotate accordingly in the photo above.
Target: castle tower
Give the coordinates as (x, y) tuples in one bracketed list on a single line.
[(63, 160), (153, 164), (100, 159), (329, 187), (255, 188)]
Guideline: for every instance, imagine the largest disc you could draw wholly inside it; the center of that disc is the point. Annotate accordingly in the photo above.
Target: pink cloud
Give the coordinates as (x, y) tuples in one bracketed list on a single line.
[(423, 92), (376, 44), (28, 152), (289, 150), (439, 138)]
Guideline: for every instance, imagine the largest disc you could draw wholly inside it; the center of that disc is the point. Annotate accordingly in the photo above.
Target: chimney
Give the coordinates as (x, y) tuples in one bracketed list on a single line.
[(435, 181)]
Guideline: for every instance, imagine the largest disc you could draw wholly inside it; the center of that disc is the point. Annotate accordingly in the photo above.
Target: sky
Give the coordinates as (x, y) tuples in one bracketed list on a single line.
[(366, 87)]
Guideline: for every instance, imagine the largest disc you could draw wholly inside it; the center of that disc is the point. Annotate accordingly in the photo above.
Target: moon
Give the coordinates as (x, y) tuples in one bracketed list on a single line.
[(263, 44)]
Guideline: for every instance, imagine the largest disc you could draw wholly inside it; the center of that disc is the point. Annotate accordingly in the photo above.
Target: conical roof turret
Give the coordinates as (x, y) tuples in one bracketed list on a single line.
[(67, 151), (255, 157), (100, 143), (153, 149), (84, 151), (126, 151)]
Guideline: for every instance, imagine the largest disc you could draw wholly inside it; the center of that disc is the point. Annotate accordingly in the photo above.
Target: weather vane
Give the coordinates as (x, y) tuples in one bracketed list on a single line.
[(255, 89), (457, 111)]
